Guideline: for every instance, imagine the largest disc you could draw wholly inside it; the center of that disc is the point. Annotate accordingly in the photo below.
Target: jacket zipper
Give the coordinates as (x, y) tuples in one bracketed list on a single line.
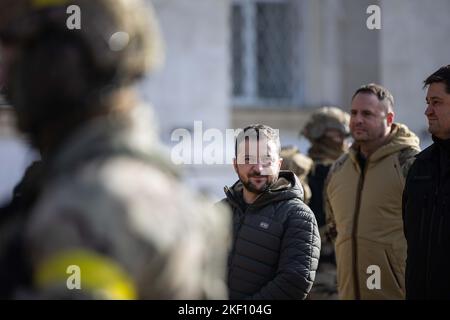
[(355, 232)]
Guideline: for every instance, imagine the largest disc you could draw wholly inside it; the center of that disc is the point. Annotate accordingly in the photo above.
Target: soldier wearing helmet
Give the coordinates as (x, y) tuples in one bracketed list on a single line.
[(298, 163), (105, 216), (326, 130)]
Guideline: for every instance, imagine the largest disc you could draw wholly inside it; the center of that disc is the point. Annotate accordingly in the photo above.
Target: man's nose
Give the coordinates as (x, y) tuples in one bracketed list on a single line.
[(429, 110), (258, 167), (356, 118)]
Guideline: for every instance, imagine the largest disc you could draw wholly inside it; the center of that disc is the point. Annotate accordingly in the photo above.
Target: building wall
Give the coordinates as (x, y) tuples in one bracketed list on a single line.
[(339, 52), (194, 83), (414, 44), (361, 61)]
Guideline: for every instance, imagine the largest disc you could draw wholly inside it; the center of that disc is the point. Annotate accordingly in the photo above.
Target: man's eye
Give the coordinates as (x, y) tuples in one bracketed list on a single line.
[(250, 160)]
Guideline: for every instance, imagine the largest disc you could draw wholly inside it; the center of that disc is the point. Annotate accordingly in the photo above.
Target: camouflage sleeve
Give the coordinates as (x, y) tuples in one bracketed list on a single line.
[(126, 232), (72, 253), (406, 158), (331, 231)]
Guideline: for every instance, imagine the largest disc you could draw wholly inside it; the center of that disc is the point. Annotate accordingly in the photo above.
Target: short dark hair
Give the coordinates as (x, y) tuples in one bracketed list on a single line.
[(442, 75), (379, 91), (270, 133)]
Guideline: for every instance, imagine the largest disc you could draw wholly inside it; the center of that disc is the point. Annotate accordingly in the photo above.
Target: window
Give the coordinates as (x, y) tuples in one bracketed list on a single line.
[(265, 64)]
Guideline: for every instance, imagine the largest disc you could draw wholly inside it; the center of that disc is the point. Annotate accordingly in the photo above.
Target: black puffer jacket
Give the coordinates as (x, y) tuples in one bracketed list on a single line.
[(276, 243), (426, 217)]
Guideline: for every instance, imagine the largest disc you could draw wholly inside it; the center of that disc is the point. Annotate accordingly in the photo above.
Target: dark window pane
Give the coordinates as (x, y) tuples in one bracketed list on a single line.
[(237, 50), (274, 51)]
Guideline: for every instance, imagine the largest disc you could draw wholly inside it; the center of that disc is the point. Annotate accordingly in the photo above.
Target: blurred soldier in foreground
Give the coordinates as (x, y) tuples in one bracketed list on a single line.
[(326, 130), (299, 164), (106, 216)]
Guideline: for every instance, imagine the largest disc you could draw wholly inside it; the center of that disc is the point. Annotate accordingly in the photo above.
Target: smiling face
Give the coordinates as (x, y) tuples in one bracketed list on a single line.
[(438, 110), (257, 164)]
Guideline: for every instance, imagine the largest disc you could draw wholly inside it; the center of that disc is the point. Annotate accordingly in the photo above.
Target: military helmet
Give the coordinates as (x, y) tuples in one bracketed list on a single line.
[(295, 161), (121, 36), (326, 118)]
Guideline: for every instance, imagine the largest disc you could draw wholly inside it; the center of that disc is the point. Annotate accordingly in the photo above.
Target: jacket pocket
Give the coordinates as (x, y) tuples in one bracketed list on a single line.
[(391, 274), (392, 269)]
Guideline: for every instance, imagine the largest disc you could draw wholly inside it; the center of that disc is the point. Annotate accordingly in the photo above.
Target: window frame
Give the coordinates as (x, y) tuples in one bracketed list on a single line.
[(249, 97)]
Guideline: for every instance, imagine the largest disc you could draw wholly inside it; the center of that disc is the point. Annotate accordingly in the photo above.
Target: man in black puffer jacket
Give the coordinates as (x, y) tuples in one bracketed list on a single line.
[(276, 242)]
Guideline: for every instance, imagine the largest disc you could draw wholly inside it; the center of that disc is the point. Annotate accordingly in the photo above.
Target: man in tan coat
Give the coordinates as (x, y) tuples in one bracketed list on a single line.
[(363, 199)]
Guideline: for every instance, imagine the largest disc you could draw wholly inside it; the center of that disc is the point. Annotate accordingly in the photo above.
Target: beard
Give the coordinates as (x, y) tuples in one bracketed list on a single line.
[(260, 187)]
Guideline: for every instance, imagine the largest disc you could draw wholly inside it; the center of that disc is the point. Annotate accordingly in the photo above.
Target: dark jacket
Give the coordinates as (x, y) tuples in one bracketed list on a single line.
[(426, 216), (316, 181), (276, 243)]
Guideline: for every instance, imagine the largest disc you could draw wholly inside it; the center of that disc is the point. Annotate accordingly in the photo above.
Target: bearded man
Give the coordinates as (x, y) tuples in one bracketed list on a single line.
[(276, 242)]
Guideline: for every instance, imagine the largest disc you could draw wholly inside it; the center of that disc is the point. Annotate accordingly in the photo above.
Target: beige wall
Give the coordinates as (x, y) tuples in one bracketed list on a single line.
[(415, 43), (194, 84), (339, 52)]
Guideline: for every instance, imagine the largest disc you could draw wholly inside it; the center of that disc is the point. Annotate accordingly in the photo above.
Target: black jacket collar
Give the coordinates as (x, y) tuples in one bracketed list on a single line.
[(286, 187)]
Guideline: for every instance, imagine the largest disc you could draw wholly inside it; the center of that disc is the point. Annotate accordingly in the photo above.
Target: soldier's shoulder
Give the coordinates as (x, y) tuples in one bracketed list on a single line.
[(407, 154), (150, 200), (406, 158), (140, 214)]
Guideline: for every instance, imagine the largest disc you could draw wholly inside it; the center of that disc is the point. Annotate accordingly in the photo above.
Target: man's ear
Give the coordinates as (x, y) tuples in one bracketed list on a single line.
[(280, 162), (235, 165), (390, 118)]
